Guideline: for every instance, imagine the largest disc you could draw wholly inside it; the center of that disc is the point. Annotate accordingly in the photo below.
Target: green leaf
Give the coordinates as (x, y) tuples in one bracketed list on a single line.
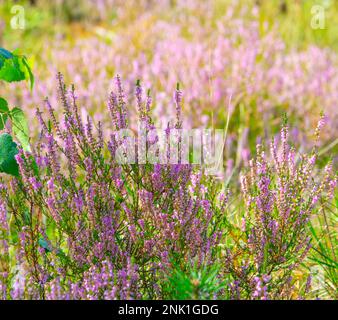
[(3, 106), (20, 127), (4, 55), (8, 151), (28, 72), (3, 120), (11, 70), (15, 67), (44, 244), (3, 113)]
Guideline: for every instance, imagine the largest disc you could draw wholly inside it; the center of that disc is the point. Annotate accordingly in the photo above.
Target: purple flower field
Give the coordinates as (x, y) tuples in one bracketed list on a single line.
[(181, 150)]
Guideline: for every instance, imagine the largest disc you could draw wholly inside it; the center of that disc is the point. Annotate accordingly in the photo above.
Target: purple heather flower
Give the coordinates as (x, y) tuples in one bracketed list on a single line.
[(35, 183)]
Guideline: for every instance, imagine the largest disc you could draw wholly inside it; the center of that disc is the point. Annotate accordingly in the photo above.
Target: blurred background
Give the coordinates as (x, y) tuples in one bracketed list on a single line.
[(249, 60)]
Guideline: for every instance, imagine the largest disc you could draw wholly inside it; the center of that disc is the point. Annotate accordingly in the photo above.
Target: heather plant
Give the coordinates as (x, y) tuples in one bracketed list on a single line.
[(86, 214), (77, 223), (87, 227), (280, 198)]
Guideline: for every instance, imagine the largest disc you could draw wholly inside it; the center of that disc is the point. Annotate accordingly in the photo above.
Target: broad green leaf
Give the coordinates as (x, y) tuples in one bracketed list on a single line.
[(11, 71), (8, 151), (3, 106), (4, 55), (15, 67), (20, 127), (3, 113), (3, 120)]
